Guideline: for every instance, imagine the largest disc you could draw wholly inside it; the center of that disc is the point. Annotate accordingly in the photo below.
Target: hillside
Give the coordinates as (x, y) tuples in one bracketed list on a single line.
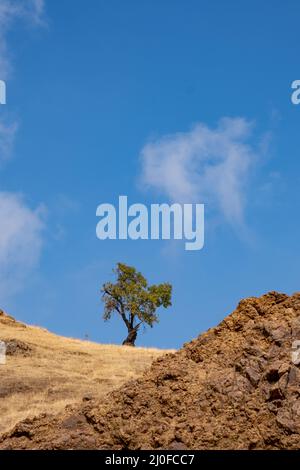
[(237, 386), (45, 372)]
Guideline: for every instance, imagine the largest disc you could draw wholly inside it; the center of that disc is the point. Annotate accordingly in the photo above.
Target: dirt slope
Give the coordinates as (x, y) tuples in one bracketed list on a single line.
[(236, 386), (45, 372)]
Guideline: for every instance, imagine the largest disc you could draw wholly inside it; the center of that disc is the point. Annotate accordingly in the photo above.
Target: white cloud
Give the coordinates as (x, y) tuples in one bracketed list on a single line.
[(21, 241), (204, 165), (21, 234), (10, 11)]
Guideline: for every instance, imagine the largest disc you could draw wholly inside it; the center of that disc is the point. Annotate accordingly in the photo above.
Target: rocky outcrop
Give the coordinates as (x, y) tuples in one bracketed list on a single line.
[(237, 386)]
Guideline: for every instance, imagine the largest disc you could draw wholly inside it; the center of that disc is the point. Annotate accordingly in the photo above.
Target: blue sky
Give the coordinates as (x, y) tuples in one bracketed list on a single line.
[(91, 88)]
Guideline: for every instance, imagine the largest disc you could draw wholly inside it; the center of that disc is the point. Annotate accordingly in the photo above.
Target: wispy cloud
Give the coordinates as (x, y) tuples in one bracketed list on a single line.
[(207, 165), (31, 11), (11, 11), (21, 235), (21, 241)]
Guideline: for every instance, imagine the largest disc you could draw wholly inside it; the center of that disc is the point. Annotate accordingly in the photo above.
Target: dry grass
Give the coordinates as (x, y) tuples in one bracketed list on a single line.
[(58, 371)]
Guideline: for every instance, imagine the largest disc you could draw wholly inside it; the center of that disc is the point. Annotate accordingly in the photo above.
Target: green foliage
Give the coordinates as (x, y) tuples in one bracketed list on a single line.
[(132, 298)]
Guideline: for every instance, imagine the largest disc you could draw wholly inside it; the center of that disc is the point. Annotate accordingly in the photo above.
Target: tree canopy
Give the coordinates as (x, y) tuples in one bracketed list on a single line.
[(134, 300)]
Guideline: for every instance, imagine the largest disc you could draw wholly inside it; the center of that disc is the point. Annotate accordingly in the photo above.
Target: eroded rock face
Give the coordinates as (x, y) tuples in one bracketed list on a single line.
[(236, 386)]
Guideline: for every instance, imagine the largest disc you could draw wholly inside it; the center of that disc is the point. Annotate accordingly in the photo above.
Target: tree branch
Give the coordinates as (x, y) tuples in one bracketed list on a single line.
[(138, 325), (119, 309)]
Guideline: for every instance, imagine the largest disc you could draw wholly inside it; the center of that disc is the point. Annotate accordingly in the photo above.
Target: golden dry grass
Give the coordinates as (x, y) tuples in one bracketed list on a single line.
[(60, 371)]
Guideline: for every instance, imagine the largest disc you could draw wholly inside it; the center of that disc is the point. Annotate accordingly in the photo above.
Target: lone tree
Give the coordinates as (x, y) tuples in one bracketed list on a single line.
[(134, 300)]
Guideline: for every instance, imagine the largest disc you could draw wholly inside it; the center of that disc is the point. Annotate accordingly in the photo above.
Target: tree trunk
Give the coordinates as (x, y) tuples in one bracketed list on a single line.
[(131, 337)]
